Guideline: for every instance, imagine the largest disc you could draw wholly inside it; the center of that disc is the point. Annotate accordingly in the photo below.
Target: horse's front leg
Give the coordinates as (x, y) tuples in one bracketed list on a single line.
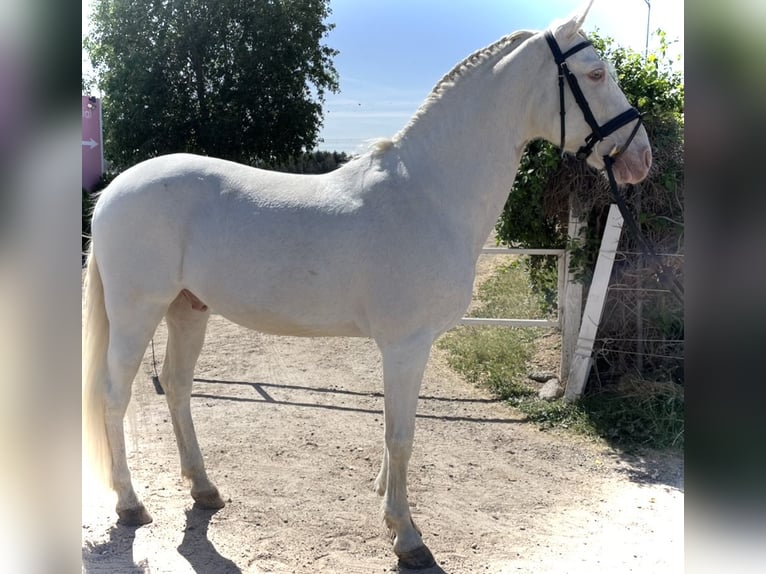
[(403, 366), (382, 478)]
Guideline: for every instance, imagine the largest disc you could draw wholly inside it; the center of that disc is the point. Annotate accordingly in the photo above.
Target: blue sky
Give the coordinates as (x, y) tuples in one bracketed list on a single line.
[(392, 52)]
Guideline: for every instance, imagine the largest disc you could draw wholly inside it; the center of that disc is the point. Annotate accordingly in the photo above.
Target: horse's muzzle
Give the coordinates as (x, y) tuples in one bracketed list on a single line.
[(632, 166)]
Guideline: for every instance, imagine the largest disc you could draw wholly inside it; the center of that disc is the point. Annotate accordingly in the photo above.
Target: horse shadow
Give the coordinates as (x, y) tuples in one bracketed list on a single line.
[(198, 550), (263, 396), (205, 559), (115, 556), (435, 569)]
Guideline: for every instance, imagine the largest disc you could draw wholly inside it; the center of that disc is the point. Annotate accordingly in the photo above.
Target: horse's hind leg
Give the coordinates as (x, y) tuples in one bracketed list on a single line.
[(129, 334), (186, 334)]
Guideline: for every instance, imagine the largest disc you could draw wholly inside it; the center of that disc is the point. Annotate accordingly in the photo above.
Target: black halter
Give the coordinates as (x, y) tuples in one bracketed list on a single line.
[(598, 133)]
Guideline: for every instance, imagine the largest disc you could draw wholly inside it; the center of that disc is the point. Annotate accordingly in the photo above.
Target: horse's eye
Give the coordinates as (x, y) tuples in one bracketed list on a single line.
[(597, 75)]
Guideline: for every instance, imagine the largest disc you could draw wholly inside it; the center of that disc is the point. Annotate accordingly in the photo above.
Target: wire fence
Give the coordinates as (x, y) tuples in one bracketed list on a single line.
[(642, 330)]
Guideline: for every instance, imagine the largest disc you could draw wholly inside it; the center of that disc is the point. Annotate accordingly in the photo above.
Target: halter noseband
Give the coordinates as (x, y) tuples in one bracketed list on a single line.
[(598, 133)]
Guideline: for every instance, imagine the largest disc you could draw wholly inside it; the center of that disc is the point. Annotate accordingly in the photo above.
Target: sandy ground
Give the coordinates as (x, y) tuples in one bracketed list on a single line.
[(292, 431)]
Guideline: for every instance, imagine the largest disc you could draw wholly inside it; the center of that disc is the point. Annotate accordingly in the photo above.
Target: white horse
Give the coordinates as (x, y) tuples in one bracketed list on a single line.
[(384, 247)]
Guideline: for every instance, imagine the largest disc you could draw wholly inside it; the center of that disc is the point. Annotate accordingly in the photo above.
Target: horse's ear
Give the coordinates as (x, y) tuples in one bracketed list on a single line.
[(574, 23), (583, 14)]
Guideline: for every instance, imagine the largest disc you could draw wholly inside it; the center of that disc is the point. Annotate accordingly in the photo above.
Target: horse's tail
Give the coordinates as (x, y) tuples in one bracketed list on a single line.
[(95, 341)]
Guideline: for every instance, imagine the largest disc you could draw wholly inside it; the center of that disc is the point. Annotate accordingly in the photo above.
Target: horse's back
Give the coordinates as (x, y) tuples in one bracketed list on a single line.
[(168, 200), (334, 254), (255, 245)]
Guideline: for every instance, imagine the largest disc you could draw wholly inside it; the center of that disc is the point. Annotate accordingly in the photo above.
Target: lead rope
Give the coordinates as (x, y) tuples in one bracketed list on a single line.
[(663, 274), (154, 361), (156, 378)]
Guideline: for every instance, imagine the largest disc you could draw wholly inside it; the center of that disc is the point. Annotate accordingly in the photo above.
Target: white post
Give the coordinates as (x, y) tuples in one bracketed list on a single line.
[(594, 307)]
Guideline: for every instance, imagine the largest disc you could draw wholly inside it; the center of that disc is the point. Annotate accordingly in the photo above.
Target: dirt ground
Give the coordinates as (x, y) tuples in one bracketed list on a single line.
[(292, 429)]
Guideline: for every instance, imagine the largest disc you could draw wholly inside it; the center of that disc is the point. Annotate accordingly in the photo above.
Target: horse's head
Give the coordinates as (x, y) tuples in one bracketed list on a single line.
[(599, 121)]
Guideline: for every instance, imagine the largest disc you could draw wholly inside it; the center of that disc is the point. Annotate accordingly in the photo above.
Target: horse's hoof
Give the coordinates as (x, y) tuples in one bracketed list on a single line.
[(416, 559), (208, 499), (133, 516)]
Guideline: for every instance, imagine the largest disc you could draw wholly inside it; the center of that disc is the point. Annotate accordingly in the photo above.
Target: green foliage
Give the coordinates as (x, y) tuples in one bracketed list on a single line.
[(649, 415), (87, 212), (526, 223), (496, 357), (629, 420), (556, 414), (633, 414), (314, 162), (508, 293), (651, 84), (89, 202), (239, 80)]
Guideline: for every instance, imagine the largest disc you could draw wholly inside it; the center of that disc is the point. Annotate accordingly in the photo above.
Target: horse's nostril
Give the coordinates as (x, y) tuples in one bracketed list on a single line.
[(648, 158)]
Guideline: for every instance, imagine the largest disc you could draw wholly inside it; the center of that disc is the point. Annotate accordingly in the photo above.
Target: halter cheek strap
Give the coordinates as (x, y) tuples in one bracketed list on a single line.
[(598, 132)]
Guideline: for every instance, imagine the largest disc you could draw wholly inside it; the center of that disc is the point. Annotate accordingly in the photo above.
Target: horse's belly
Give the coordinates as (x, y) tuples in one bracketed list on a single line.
[(290, 304), (276, 323)]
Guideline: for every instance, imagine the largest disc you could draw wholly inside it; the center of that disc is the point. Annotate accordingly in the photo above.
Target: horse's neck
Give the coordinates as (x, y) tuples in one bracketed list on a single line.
[(469, 139)]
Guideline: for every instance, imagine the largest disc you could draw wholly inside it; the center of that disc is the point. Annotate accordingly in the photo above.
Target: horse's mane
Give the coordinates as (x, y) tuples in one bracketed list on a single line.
[(494, 51), (502, 47)]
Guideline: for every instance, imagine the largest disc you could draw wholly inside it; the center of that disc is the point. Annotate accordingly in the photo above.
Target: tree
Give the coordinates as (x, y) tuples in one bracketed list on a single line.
[(309, 163), (238, 79)]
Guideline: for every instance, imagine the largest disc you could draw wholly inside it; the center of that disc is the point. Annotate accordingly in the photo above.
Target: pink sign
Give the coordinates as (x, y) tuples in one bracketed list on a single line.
[(92, 150)]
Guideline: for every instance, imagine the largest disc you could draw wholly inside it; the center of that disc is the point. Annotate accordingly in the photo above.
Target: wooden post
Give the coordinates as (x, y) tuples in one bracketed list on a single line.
[(570, 303), (594, 307)]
